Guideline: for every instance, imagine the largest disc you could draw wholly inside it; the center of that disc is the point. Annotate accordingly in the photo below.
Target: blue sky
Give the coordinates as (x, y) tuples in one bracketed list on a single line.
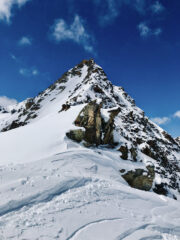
[(137, 42)]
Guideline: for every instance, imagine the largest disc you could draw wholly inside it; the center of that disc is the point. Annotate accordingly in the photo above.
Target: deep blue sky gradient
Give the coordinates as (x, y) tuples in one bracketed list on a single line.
[(147, 67)]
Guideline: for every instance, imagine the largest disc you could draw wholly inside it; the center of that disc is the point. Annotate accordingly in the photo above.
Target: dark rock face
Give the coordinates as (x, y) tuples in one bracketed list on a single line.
[(177, 140), (29, 103), (161, 189), (65, 107), (124, 152), (96, 130), (133, 152), (3, 110), (140, 178), (13, 125)]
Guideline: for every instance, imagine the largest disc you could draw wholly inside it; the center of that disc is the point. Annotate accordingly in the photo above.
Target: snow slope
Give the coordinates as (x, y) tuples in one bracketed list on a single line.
[(54, 188), (79, 194)]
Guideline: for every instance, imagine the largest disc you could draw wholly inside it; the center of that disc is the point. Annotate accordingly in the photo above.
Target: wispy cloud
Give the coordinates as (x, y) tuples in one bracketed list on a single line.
[(26, 72), (140, 5), (165, 120), (76, 32), (13, 57), (177, 114), (6, 7), (161, 121), (109, 10), (25, 41), (157, 7), (5, 101), (146, 31)]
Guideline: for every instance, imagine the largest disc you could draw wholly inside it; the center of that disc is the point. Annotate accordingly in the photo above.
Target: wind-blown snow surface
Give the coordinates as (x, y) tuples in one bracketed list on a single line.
[(79, 195), (53, 188)]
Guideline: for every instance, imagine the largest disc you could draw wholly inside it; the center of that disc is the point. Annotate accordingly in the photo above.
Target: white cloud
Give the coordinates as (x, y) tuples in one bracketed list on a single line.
[(177, 114), (35, 72), (25, 41), (76, 32), (157, 31), (108, 10), (160, 121), (157, 7), (6, 7), (140, 6), (111, 12), (28, 72), (13, 57), (146, 31), (5, 101), (165, 120)]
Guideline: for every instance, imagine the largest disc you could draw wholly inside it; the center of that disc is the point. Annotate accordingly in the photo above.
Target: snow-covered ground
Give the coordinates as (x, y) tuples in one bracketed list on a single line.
[(79, 195)]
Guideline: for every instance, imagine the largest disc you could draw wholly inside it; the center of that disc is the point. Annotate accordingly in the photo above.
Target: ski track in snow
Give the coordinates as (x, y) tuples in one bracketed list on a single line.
[(84, 227)]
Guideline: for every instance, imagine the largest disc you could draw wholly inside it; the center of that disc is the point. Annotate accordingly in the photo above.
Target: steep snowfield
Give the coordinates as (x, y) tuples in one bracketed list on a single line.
[(37, 140), (54, 188)]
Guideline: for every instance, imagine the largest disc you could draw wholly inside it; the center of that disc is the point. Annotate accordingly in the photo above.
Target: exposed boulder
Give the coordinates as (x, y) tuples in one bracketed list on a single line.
[(140, 178), (124, 152), (96, 130), (29, 103), (76, 135), (65, 107), (90, 119), (148, 152), (134, 154), (161, 189)]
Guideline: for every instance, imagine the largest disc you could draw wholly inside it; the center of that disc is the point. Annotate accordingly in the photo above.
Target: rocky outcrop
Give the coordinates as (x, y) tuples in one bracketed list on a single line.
[(90, 119), (76, 135), (177, 140), (97, 131), (109, 127), (13, 125), (140, 178), (126, 152)]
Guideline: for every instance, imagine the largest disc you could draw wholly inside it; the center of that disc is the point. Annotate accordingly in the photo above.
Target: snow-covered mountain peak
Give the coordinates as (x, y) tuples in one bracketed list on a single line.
[(73, 160), (95, 113)]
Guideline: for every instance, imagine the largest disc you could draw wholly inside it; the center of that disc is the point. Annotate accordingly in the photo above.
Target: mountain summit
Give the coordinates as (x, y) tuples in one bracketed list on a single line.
[(82, 161), (105, 116)]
